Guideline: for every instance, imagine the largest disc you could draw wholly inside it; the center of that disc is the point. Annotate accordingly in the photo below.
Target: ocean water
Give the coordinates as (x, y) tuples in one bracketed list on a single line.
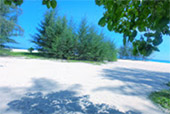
[(160, 61), (147, 59)]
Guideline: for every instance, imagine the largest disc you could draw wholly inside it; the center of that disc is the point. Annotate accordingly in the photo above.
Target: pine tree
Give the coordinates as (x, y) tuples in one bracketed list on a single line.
[(8, 23), (55, 37), (46, 31), (64, 45), (92, 45)]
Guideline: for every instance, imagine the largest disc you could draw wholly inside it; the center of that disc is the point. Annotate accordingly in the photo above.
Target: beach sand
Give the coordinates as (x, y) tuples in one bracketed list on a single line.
[(124, 84)]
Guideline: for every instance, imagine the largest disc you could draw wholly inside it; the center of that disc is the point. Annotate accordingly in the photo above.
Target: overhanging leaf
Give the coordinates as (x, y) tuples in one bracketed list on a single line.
[(134, 33), (53, 4), (155, 49), (44, 2), (48, 4), (109, 26), (157, 41), (8, 2), (102, 22), (135, 51)]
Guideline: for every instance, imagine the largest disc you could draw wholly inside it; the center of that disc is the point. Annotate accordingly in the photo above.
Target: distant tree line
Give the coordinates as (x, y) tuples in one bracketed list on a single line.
[(126, 52), (59, 38)]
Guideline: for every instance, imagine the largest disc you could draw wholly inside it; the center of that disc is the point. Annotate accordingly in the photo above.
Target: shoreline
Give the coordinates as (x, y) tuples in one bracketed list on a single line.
[(147, 60)]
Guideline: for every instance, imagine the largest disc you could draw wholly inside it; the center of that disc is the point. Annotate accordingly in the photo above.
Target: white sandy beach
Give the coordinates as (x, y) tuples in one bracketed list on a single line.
[(123, 84)]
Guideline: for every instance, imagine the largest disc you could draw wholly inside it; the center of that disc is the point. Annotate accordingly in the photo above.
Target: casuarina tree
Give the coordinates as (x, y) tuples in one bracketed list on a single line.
[(8, 23)]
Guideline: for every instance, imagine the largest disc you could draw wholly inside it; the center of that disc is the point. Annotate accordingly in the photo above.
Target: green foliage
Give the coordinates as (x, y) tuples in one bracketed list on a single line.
[(8, 52), (64, 45), (16, 2), (57, 38), (8, 23), (48, 3), (30, 49), (127, 52), (93, 46), (27, 55), (150, 17), (162, 98)]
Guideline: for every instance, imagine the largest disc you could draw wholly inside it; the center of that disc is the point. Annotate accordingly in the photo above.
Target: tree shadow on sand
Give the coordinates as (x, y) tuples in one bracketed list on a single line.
[(46, 96), (63, 102), (135, 81)]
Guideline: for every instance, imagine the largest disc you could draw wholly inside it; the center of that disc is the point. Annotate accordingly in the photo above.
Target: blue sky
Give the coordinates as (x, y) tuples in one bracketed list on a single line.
[(33, 12)]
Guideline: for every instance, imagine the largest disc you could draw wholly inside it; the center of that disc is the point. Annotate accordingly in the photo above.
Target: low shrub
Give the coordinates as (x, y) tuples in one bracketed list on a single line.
[(161, 98)]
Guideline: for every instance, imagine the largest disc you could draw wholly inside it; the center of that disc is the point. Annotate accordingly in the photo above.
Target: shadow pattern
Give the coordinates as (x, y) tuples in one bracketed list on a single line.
[(62, 102), (136, 81)]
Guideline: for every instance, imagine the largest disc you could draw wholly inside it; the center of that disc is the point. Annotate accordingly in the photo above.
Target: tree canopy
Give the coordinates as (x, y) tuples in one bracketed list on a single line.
[(150, 18), (48, 3)]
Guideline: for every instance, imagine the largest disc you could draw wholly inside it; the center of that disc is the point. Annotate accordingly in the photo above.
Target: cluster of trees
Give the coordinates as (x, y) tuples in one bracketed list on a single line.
[(59, 38)]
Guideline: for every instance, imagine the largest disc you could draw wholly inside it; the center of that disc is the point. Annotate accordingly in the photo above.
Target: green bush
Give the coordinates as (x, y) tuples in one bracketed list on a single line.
[(30, 49), (93, 46), (57, 38), (161, 97)]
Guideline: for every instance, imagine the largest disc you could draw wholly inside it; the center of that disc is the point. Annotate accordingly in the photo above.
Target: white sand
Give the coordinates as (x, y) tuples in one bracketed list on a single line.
[(23, 50), (124, 84)]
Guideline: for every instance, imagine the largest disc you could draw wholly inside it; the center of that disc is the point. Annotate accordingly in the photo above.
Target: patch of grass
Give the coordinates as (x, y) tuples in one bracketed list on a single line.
[(161, 98), (7, 52), (84, 61), (40, 56), (26, 54)]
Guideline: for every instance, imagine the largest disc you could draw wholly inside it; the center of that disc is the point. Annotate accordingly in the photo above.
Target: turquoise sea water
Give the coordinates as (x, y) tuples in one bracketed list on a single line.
[(160, 61)]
